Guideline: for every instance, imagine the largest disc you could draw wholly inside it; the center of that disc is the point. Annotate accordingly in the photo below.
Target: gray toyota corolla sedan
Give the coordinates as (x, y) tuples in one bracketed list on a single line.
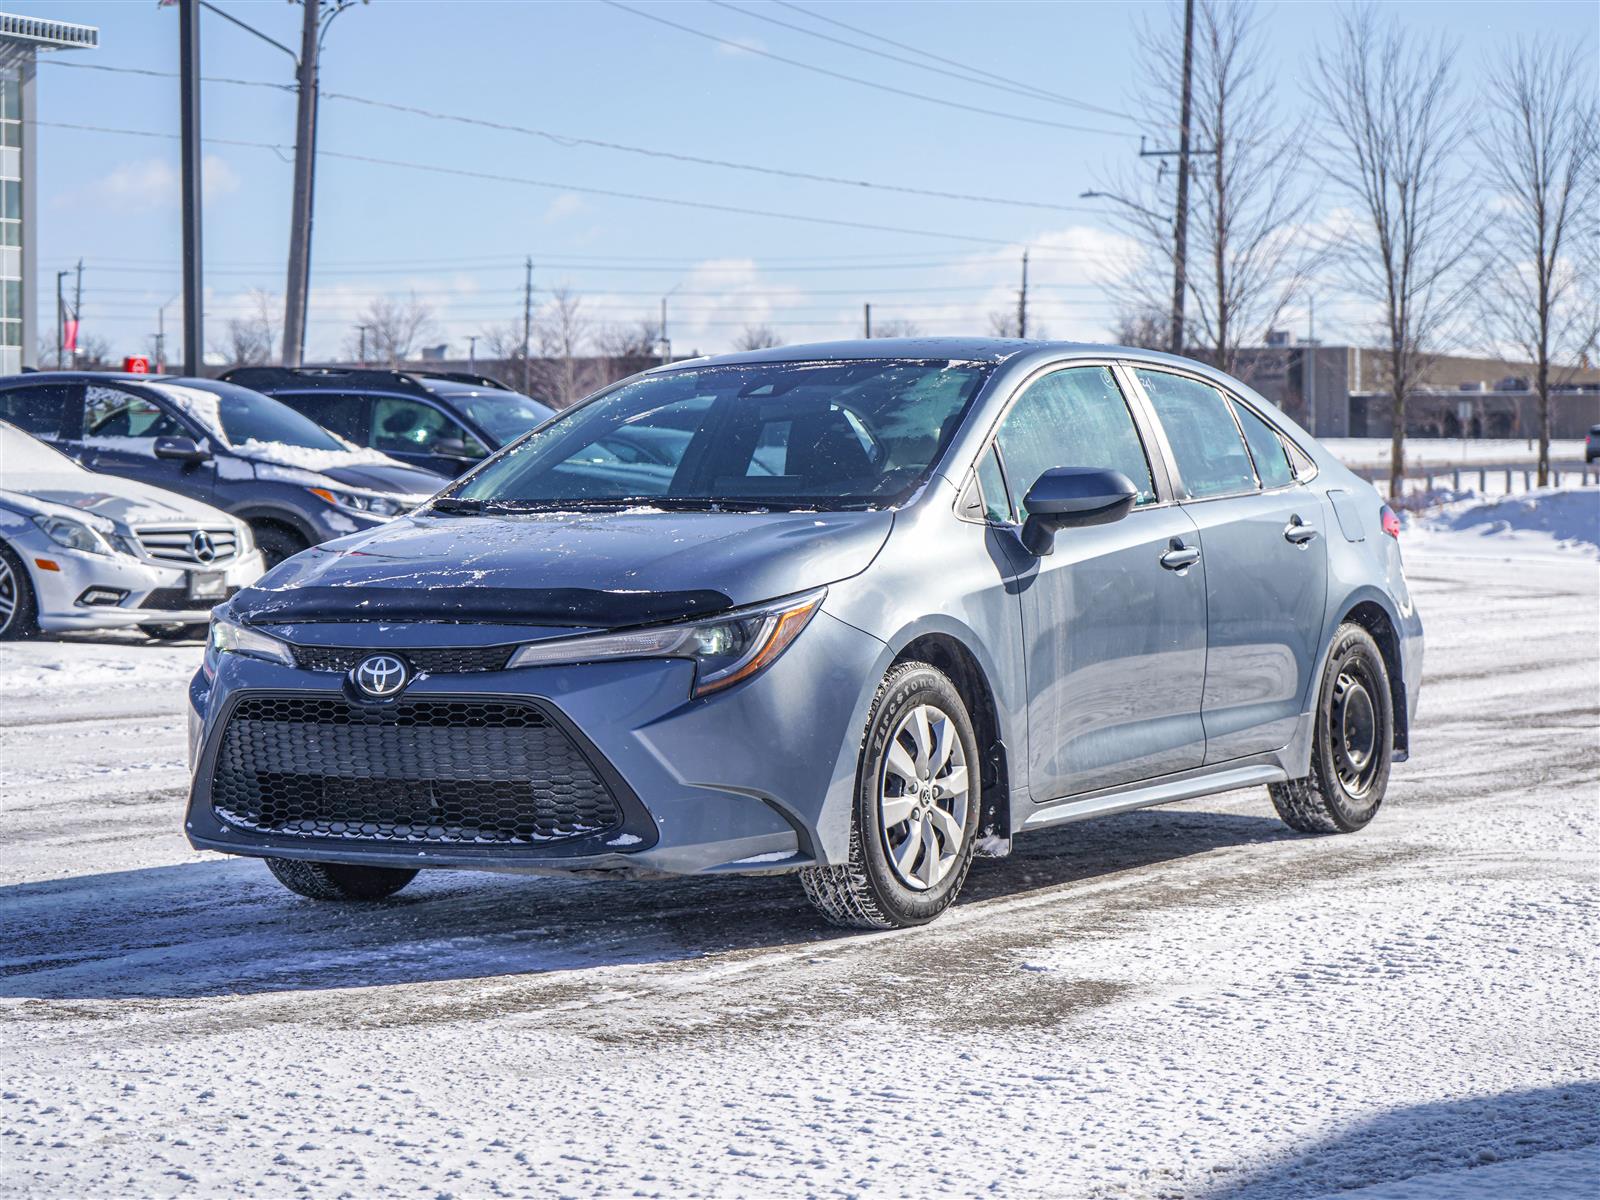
[(856, 611)]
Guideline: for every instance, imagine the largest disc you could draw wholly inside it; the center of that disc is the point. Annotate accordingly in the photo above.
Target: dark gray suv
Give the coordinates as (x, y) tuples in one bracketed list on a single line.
[(245, 453)]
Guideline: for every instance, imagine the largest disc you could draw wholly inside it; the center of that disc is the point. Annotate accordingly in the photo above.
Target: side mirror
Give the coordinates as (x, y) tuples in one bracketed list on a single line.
[(1064, 497), (454, 447), (181, 449)]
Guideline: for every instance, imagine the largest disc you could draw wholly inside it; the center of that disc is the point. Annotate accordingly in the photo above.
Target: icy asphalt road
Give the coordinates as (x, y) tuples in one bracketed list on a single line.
[(1188, 1001)]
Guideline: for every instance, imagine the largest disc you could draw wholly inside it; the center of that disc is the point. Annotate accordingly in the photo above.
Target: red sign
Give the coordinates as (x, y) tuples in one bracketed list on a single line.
[(136, 364)]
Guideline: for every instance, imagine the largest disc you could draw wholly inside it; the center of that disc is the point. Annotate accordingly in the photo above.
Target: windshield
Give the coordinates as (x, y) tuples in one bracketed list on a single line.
[(505, 416), (774, 435), (241, 415)]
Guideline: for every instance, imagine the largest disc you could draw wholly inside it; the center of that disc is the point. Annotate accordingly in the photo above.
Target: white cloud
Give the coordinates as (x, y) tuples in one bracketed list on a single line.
[(567, 204), (155, 183), (740, 47)]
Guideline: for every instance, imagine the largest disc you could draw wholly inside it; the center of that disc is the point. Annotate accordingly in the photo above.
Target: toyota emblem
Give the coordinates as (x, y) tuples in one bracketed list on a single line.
[(203, 547), (380, 675)]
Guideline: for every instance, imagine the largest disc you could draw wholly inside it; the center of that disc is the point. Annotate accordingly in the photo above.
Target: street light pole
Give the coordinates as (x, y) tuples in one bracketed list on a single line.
[(61, 322), (1180, 227), (305, 150)]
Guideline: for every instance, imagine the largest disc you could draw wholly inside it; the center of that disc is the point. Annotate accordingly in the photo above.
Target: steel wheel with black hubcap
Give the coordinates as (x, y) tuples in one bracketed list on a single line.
[(1352, 744), (18, 608), (916, 813)]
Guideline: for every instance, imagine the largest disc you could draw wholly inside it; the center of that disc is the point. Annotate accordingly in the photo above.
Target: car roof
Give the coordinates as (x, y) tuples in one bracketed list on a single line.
[(962, 349)]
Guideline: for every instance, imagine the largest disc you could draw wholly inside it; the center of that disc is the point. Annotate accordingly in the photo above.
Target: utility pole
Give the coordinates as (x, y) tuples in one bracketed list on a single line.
[(362, 330), (61, 322), (527, 324), (77, 315), (1311, 372), (1022, 300), (305, 161), (472, 352), (866, 320), (666, 342), (189, 111), (1180, 217)]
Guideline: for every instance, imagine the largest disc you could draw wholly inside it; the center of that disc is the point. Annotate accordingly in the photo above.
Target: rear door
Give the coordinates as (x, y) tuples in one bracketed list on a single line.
[(1266, 576), (423, 435), (1115, 639)]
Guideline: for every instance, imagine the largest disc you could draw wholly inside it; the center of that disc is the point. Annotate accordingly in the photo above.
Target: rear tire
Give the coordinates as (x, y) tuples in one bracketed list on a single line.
[(1352, 746), (19, 609), (339, 881), (276, 543), (914, 823)]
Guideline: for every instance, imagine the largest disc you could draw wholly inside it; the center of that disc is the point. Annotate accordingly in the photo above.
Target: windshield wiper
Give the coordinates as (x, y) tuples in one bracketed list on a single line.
[(455, 506)]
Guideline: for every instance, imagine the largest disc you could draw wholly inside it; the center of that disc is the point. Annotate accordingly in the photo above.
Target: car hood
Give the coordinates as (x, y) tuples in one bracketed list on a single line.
[(588, 570), (123, 502), (382, 477)]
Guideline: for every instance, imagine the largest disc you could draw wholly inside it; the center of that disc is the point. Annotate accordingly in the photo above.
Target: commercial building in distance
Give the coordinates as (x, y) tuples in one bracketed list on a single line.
[(21, 40)]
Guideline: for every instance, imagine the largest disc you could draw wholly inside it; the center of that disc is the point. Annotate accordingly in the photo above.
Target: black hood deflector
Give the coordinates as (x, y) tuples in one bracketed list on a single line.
[(582, 608)]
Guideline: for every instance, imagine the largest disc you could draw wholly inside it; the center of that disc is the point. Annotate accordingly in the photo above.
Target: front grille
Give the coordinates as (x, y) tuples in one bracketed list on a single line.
[(440, 661), (178, 544), (414, 771), (176, 599)]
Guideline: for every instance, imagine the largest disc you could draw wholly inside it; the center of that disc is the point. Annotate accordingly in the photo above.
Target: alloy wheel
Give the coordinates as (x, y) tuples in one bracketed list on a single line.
[(923, 797), (8, 595)]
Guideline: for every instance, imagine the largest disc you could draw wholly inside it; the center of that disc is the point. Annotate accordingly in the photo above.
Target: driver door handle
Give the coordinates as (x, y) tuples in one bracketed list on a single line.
[(1298, 532), (1180, 556)]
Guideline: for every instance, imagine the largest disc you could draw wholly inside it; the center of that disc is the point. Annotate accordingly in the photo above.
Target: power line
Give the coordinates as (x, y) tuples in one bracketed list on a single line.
[(962, 72), (572, 140), (882, 87), (552, 185)]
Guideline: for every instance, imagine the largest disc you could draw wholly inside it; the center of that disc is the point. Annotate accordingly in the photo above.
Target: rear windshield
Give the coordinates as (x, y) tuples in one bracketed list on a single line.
[(832, 435)]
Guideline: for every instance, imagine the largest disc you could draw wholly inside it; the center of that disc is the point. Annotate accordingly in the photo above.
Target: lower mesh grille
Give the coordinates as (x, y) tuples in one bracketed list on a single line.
[(414, 771)]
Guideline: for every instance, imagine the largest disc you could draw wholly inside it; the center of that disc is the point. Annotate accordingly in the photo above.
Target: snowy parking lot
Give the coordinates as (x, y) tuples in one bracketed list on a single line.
[(1187, 1001)]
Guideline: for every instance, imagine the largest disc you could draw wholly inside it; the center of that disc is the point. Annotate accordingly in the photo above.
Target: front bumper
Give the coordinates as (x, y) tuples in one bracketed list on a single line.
[(147, 586), (758, 778)]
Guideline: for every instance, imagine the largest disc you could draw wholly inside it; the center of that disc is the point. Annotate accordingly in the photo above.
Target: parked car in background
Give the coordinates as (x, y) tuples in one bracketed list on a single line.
[(292, 481), (1591, 444), (893, 600), (79, 550), (441, 421)]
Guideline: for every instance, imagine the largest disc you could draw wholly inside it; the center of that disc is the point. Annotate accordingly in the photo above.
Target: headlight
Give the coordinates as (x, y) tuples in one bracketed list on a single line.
[(373, 504), (724, 649), (246, 540), (74, 535), (226, 637)]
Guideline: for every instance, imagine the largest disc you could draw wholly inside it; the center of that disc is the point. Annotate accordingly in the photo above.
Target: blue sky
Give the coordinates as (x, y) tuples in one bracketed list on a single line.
[(590, 70)]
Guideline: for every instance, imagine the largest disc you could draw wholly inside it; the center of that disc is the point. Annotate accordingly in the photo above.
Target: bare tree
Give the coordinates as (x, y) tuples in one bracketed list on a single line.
[(251, 340), (395, 325), (564, 332), (757, 337), (1392, 134), (1144, 328), (1538, 139), (1246, 260), (1003, 323), (642, 339), (896, 328)]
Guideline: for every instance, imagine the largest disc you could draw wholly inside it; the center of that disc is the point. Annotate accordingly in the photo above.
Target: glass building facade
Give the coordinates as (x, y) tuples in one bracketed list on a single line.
[(22, 39)]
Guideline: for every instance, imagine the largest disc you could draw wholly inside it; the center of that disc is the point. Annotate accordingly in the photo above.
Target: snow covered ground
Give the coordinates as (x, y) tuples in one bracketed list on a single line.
[(1188, 1001), (1451, 452)]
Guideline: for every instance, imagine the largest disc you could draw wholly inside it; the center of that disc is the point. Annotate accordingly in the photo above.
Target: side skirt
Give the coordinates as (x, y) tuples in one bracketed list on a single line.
[(1165, 791)]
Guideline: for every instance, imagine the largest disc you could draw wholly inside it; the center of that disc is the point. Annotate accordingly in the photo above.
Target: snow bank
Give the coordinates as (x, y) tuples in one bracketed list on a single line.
[(1568, 517)]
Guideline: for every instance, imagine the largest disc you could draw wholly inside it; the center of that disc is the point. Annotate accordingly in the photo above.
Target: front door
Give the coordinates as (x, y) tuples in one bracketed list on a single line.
[(119, 432), (1262, 543), (1115, 640)]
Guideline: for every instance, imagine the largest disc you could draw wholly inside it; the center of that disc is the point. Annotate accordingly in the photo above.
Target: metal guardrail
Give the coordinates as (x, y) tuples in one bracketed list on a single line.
[(1488, 478)]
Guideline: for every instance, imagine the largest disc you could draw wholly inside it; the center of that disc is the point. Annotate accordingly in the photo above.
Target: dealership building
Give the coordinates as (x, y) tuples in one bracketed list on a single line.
[(21, 41)]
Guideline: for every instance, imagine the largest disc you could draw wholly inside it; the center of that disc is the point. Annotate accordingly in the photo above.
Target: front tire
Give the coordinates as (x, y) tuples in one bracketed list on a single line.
[(339, 881), (1353, 745), (276, 543), (915, 819), (19, 608)]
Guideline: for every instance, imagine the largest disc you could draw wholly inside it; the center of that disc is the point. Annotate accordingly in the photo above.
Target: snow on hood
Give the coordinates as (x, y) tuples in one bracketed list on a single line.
[(578, 569)]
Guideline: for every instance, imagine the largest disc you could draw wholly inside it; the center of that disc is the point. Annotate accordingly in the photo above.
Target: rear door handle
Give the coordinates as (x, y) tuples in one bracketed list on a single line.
[(1180, 556), (1298, 532)]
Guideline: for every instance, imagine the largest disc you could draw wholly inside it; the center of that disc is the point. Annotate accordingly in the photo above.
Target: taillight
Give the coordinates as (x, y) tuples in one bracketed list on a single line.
[(1391, 522)]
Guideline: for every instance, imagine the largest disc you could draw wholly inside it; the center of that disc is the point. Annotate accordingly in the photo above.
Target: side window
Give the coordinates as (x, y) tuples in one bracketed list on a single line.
[(1076, 417), (1266, 447), (110, 412), (411, 427), (344, 415), (38, 410), (992, 483), (1205, 441)]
